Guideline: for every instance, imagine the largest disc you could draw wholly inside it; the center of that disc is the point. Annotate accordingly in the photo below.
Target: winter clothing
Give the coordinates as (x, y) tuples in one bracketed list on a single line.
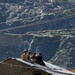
[(33, 58), (24, 55), (39, 59)]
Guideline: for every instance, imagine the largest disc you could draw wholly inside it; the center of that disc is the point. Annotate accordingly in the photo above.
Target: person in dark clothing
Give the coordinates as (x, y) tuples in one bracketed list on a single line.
[(39, 59)]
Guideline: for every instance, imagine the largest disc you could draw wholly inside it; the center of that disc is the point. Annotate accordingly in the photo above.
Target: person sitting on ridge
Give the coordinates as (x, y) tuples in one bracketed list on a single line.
[(25, 55), (33, 57), (39, 59), (29, 56)]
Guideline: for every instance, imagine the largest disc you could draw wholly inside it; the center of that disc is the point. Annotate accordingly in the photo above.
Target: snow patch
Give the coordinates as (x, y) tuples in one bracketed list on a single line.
[(50, 68)]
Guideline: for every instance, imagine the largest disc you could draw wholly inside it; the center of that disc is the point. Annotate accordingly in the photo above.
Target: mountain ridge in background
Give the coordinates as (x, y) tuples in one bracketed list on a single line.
[(49, 23)]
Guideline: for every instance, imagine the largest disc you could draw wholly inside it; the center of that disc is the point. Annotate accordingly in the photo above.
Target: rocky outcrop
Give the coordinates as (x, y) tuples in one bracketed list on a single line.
[(17, 66), (14, 67)]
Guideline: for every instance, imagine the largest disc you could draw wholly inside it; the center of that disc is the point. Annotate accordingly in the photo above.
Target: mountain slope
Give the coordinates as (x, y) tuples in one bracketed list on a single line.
[(50, 23), (24, 67), (14, 14)]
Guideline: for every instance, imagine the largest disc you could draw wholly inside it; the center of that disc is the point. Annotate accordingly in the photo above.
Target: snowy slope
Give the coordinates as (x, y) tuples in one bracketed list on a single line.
[(58, 69), (49, 68)]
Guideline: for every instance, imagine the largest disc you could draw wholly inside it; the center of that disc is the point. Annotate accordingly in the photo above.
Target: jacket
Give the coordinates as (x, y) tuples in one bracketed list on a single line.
[(24, 56)]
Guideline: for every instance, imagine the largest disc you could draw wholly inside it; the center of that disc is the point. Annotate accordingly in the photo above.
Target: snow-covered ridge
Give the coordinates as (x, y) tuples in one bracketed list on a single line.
[(50, 68)]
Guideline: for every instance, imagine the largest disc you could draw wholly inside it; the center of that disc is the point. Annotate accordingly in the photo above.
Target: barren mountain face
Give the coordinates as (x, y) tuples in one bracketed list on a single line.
[(46, 26)]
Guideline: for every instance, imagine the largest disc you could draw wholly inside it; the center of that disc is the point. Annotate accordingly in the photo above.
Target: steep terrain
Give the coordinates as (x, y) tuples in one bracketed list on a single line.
[(20, 67), (28, 14), (46, 26)]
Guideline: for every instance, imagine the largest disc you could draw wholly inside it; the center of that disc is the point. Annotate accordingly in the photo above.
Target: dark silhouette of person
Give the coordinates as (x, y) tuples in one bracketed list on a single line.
[(39, 59)]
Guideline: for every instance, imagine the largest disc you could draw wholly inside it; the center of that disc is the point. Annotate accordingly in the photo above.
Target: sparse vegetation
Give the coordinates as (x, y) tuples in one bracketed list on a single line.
[(51, 23)]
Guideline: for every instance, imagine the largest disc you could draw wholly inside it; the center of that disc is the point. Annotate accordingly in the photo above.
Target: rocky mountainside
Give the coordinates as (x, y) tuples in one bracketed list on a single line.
[(20, 67), (30, 13), (45, 26)]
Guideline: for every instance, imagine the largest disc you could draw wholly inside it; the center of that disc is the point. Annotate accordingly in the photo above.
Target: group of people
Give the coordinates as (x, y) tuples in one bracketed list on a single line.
[(32, 57)]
